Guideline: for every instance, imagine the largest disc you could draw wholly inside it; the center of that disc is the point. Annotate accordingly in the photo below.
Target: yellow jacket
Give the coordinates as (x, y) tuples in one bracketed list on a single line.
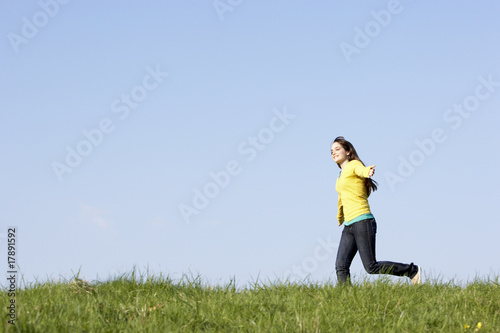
[(353, 195)]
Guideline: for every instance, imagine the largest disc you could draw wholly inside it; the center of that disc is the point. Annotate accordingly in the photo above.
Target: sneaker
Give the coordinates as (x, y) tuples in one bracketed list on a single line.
[(417, 279)]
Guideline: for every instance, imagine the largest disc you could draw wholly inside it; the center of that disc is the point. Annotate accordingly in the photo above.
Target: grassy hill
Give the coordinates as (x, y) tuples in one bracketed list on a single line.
[(134, 303)]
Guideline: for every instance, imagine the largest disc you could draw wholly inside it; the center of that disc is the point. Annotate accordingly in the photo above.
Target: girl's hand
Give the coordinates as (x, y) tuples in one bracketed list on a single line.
[(372, 171)]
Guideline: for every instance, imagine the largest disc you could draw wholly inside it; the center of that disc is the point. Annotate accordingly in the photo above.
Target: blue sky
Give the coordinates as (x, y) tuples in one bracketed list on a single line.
[(193, 136)]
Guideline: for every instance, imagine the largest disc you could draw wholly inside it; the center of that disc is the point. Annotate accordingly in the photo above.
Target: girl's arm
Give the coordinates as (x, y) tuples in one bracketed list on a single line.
[(362, 171)]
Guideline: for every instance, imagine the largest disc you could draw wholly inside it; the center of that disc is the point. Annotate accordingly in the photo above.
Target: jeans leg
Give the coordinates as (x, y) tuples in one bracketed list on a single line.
[(345, 254), (365, 232)]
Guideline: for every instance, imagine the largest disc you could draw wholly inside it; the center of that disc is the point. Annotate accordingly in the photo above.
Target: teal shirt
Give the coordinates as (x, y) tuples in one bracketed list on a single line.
[(360, 218)]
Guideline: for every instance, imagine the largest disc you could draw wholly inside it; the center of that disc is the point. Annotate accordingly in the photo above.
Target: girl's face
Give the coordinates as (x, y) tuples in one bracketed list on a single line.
[(339, 154)]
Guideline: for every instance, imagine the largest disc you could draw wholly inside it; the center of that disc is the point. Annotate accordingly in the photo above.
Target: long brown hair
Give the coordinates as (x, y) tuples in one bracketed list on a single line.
[(371, 185)]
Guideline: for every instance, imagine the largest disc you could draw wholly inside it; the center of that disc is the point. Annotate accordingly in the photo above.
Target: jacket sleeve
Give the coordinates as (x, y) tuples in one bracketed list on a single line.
[(360, 170), (340, 212)]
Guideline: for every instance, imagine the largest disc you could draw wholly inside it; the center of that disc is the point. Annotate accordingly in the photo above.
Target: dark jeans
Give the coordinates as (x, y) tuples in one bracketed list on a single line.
[(360, 236)]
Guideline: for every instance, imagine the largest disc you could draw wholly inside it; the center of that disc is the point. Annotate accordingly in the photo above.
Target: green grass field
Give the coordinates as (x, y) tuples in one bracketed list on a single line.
[(140, 303)]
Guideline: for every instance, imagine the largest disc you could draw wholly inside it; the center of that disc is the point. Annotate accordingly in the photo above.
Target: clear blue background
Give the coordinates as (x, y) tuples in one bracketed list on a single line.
[(227, 72)]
